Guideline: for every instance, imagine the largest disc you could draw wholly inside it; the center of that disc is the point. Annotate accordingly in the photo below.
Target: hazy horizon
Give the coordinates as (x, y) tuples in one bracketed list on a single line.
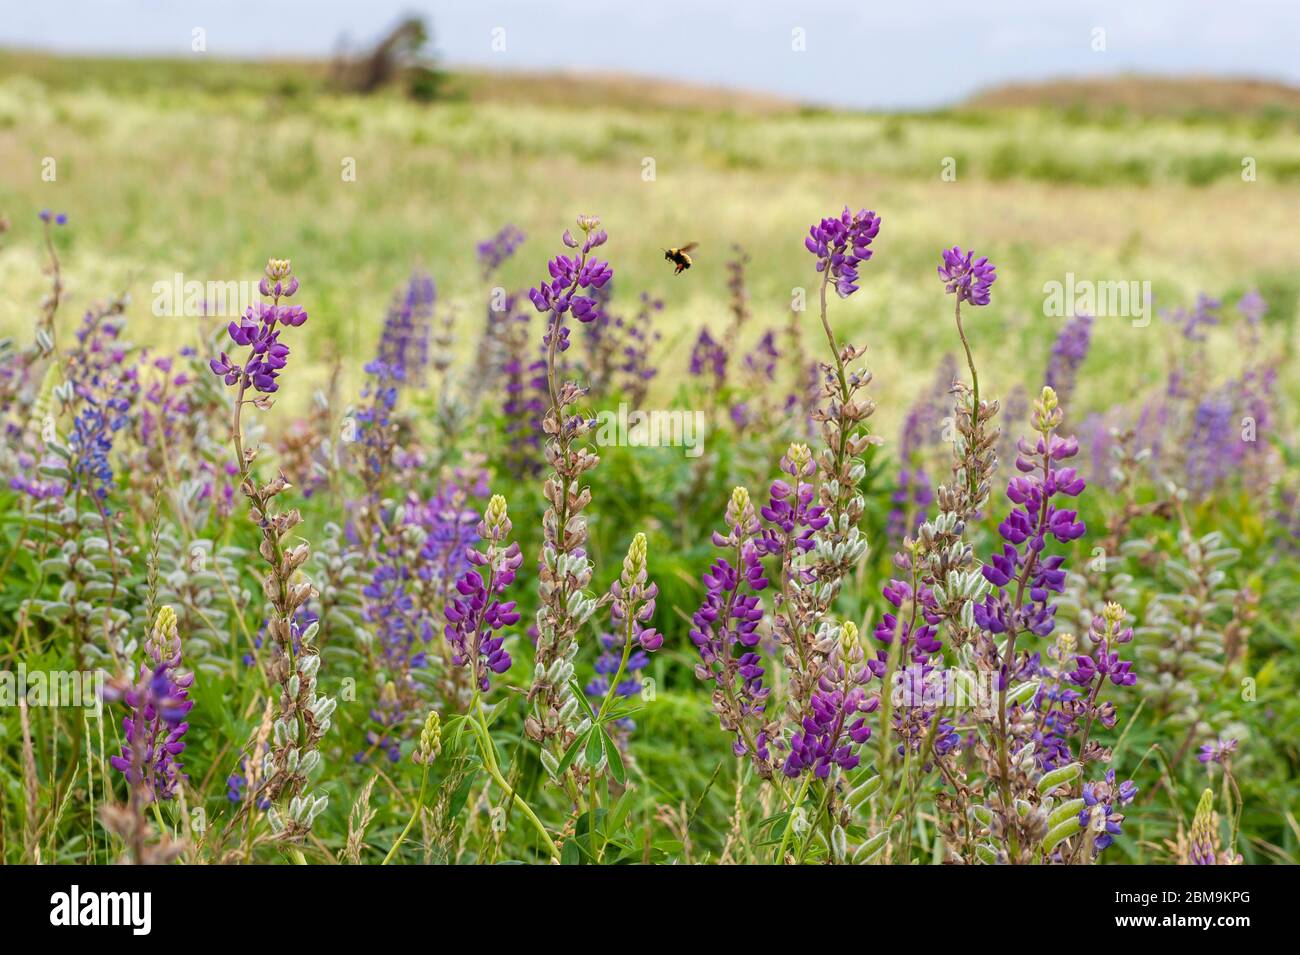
[(895, 57)]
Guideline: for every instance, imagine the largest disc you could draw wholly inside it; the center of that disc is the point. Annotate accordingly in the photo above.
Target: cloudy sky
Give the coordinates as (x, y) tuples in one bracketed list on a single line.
[(865, 53)]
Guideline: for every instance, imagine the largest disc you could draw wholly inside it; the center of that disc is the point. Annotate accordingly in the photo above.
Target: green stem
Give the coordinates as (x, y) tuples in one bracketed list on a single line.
[(622, 666), (812, 827), (419, 804), (479, 724), (789, 823)]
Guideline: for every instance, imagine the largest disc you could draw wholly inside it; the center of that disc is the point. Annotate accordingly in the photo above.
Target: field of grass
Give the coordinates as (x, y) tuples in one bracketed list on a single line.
[(210, 169), (202, 168)]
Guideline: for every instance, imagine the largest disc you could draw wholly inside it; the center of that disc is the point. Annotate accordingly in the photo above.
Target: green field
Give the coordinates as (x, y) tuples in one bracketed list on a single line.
[(208, 168), (133, 521)]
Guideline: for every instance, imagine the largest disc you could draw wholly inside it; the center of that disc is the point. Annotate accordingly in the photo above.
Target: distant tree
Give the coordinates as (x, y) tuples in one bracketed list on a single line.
[(403, 54)]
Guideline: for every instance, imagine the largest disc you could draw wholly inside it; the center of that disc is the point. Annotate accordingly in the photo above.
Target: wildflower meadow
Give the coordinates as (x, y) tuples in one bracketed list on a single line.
[(869, 539)]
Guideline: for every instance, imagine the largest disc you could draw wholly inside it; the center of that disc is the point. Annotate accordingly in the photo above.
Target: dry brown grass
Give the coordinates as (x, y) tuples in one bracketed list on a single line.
[(1147, 95)]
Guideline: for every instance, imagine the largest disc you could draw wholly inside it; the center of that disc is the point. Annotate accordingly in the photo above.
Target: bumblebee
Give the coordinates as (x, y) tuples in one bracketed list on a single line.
[(680, 257)]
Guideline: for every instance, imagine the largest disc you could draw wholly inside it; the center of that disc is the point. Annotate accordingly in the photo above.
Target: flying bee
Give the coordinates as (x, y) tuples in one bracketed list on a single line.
[(680, 257)]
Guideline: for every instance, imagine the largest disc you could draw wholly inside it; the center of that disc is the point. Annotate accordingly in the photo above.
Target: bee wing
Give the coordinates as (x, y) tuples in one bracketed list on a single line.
[(689, 247)]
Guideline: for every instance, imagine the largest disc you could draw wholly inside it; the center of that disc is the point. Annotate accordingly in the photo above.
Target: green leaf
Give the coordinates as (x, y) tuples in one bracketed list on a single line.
[(594, 745), (615, 758), (570, 755), (620, 812), (582, 699), (460, 796)]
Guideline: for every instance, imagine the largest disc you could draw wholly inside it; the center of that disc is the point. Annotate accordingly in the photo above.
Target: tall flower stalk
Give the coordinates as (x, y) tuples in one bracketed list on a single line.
[(564, 571), (808, 593), (812, 529), (156, 726), (302, 716), (474, 621)]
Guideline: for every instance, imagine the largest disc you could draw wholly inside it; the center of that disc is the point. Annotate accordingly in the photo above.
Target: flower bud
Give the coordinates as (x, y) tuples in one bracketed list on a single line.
[(430, 739)]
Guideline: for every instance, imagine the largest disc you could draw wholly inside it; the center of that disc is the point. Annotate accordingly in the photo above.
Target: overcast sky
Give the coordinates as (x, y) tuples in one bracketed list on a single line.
[(902, 53)]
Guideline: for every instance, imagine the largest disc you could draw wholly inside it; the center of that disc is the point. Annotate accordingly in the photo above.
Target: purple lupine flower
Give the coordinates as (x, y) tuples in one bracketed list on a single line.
[(921, 430), (404, 341), (758, 371), (1204, 314), (1098, 812), (237, 783), (390, 608), (525, 398), (257, 330), (1035, 518), (155, 726), (375, 418), (421, 549), (1218, 751), (166, 400), (419, 556), (1252, 307), (1214, 446), (631, 610), (835, 721), (1068, 353), (790, 508), (619, 360), (761, 361), (725, 629), (104, 389), (922, 692), (1106, 634), (58, 218), (475, 616), (387, 717), (917, 644), (639, 335), (967, 277), (913, 496), (708, 358), (571, 274), (1058, 707), (607, 666), (449, 528), (827, 733), (842, 243), (633, 596), (27, 482), (494, 251), (91, 440)]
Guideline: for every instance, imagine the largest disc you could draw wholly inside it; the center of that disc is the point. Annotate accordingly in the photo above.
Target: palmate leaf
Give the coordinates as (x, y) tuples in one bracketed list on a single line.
[(595, 745), (581, 697), (618, 815), (614, 756), (571, 854), (570, 755)]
